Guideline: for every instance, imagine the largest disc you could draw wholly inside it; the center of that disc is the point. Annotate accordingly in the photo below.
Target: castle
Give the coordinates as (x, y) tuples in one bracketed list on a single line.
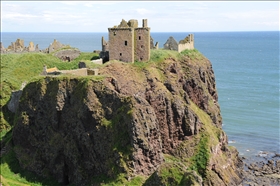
[(127, 42)]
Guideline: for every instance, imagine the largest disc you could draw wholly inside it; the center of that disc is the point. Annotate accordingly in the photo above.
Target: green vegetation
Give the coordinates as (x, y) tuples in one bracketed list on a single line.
[(201, 158), (15, 70), (19, 68), (171, 174), (120, 180), (159, 55), (193, 54)]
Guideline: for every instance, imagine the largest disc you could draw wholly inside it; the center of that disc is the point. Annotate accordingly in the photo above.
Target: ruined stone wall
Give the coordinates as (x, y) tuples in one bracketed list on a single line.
[(142, 44), (78, 72), (121, 44), (185, 46), (187, 43)]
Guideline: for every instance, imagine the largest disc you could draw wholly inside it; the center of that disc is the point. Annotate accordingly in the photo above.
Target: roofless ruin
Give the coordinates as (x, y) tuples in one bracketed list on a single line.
[(129, 43)]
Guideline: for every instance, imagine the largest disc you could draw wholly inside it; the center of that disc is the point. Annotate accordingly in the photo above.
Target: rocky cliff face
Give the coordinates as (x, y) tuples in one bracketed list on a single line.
[(131, 121)]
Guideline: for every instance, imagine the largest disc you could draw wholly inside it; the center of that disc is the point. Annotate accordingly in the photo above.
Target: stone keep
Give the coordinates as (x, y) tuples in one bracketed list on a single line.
[(128, 42)]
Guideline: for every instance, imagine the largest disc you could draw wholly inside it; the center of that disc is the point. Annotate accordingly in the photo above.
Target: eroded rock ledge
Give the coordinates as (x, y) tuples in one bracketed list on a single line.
[(132, 121)]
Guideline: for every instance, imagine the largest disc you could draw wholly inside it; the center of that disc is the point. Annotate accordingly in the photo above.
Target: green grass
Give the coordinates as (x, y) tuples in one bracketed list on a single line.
[(193, 54), (171, 175), (201, 158), (19, 68), (160, 54), (120, 180)]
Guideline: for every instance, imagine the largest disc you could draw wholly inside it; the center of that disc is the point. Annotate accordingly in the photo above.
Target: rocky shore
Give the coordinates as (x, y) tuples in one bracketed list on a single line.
[(264, 169)]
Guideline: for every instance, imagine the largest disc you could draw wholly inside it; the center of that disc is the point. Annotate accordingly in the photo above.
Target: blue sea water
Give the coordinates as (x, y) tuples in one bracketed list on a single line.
[(246, 67)]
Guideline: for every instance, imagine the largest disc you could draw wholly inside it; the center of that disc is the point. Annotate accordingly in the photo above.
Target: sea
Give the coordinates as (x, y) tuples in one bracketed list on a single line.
[(246, 67)]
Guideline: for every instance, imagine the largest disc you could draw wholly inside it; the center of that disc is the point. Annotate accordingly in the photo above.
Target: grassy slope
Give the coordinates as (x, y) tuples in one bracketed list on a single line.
[(19, 68)]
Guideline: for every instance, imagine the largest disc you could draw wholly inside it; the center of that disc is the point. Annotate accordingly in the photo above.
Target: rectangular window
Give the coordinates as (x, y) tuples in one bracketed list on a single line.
[(120, 54), (125, 43), (139, 37)]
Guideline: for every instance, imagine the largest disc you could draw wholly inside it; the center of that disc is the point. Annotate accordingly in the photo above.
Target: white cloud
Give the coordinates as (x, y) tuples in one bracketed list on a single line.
[(253, 14), (143, 11), (170, 16), (71, 3), (16, 16)]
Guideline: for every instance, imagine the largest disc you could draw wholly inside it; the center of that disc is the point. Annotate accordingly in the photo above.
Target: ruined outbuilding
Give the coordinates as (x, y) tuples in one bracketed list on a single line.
[(67, 54), (82, 71), (187, 43), (127, 42)]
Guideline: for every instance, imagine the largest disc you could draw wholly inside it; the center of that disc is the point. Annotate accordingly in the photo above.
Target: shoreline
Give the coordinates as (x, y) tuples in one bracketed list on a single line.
[(262, 169)]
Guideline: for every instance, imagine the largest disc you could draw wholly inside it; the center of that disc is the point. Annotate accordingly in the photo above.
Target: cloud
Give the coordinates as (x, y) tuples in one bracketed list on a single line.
[(253, 14), (16, 16), (99, 15), (71, 3), (143, 11), (61, 17)]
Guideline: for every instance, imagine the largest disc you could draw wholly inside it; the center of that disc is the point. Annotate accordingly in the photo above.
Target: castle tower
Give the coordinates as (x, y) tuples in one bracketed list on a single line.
[(121, 42), (142, 42), (128, 42)]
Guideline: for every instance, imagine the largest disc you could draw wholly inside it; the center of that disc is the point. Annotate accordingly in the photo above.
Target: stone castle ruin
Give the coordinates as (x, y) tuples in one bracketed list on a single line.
[(187, 43), (81, 71), (18, 46), (127, 42), (63, 52)]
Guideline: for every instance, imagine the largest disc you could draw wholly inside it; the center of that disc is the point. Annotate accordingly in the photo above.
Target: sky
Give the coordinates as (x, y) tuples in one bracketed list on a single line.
[(163, 16)]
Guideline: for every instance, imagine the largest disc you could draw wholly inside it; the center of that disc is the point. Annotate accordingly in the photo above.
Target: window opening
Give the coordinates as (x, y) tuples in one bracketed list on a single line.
[(139, 37), (120, 54), (125, 43)]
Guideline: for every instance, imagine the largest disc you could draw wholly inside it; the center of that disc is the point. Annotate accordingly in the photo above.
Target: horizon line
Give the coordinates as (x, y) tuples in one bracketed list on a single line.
[(151, 31)]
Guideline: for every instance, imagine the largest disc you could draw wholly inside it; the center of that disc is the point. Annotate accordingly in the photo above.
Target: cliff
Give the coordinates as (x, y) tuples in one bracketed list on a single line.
[(157, 123)]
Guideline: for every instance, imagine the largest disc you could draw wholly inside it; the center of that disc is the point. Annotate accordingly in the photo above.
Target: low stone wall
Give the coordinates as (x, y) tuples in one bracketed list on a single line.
[(78, 72), (97, 61)]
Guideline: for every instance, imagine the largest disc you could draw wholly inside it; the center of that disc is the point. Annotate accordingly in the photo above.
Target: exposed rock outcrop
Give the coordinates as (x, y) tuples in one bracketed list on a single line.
[(15, 96), (152, 121)]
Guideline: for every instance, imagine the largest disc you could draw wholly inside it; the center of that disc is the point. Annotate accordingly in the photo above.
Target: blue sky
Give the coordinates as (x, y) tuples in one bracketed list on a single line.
[(163, 16)]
